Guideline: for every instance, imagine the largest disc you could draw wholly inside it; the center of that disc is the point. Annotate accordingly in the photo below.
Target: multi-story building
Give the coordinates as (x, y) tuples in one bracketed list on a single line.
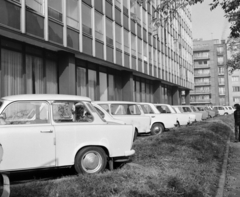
[(94, 48), (210, 73), (234, 88)]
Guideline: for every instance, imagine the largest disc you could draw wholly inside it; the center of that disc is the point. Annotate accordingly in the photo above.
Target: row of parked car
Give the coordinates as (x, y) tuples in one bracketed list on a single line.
[(45, 131)]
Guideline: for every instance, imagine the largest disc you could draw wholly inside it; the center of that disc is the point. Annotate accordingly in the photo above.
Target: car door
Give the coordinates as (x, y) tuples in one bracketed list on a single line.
[(27, 136)]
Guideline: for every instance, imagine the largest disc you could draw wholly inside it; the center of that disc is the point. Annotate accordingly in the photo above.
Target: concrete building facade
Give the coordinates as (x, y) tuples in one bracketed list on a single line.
[(234, 88), (94, 48), (210, 73)]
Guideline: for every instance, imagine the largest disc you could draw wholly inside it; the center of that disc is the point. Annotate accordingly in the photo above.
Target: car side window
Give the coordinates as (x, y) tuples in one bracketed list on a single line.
[(147, 109), (125, 109), (26, 112), (70, 111), (105, 107)]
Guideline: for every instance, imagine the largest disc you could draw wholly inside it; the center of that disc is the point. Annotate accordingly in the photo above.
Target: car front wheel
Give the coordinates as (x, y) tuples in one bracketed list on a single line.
[(157, 129), (90, 160)]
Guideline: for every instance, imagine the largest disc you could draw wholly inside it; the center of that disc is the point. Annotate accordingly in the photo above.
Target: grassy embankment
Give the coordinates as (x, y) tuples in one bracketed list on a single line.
[(184, 162)]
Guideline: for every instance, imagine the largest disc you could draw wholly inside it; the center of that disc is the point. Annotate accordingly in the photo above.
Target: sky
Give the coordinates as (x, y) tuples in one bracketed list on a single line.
[(209, 24)]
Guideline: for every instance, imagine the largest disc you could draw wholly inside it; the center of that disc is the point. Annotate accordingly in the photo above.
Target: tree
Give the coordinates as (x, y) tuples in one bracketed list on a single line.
[(166, 10)]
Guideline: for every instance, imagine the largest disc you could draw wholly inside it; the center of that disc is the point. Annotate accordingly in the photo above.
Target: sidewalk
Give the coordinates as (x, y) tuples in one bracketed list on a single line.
[(232, 181)]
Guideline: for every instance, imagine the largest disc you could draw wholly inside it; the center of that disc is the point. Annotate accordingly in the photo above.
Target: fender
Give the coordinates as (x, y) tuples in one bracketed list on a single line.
[(102, 143)]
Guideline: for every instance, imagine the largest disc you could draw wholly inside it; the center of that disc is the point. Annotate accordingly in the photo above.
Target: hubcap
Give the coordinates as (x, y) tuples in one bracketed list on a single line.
[(91, 162)]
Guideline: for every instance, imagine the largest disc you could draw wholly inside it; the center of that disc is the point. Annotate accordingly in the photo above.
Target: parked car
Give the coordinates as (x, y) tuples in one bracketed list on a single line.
[(129, 112), (159, 122), (188, 109), (105, 115), (204, 113), (192, 117), (182, 119), (221, 110), (211, 113), (48, 131), (229, 109), (109, 118)]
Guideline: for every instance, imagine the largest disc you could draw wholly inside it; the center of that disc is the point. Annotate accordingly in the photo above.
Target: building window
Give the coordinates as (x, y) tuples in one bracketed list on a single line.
[(220, 60), (221, 80), (125, 7), (220, 70), (55, 9), (236, 88), (145, 49), (111, 85), (103, 86), (86, 19), (51, 77), (34, 75), (220, 50), (34, 18), (126, 41), (118, 3), (12, 73), (133, 40), (81, 81), (201, 54), (139, 48), (92, 83), (73, 14), (10, 14), (109, 32), (99, 26), (118, 33), (36, 5), (236, 99), (235, 78)]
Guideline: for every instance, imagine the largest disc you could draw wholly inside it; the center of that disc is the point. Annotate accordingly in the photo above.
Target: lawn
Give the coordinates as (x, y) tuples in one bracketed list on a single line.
[(182, 162)]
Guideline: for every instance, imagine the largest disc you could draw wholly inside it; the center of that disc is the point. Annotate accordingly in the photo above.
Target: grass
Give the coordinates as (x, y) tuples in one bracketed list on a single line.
[(181, 163)]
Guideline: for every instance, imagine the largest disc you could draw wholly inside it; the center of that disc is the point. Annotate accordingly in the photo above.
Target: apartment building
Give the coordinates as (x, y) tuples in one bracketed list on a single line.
[(211, 85), (234, 87), (94, 48)]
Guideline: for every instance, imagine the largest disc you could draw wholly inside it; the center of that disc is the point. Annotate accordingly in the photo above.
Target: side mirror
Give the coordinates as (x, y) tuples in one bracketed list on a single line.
[(3, 116)]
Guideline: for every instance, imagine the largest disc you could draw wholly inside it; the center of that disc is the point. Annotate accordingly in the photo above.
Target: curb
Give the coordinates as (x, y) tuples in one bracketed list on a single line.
[(222, 180)]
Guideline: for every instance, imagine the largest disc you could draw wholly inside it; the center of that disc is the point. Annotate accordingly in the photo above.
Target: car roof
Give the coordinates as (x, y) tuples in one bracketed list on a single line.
[(114, 102), (53, 97)]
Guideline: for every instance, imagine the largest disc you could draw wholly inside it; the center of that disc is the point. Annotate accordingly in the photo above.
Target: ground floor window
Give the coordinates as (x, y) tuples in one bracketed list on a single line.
[(27, 72), (98, 84), (143, 90), (12, 81)]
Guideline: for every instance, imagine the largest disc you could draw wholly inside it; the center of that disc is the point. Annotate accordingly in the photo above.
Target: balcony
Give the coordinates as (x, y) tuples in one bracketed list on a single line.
[(221, 93), (201, 74), (220, 53), (202, 83), (202, 66), (199, 92), (220, 73), (201, 58), (200, 101), (221, 83)]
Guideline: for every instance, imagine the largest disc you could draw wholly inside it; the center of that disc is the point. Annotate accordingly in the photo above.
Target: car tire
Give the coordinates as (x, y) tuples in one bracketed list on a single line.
[(157, 129), (90, 160)]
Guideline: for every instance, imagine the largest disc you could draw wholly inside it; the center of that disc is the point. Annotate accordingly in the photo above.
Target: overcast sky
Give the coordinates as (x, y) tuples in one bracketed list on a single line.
[(209, 24)]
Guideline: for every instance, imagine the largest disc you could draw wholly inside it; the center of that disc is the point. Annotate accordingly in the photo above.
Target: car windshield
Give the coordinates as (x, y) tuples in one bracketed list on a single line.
[(125, 109), (147, 109), (174, 110)]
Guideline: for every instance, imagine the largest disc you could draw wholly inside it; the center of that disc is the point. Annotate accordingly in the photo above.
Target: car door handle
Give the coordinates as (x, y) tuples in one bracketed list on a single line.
[(50, 131)]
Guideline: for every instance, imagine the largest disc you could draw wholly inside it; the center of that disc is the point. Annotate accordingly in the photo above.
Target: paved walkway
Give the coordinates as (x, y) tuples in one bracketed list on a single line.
[(232, 181)]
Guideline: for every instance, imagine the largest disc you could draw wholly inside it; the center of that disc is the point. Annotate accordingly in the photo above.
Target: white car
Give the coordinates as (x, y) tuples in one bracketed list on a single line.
[(192, 117), (224, 110), (128, 112), (49, 131), (229, 109), (187, 109), (159, 122), (182, 119), (105, 115)]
